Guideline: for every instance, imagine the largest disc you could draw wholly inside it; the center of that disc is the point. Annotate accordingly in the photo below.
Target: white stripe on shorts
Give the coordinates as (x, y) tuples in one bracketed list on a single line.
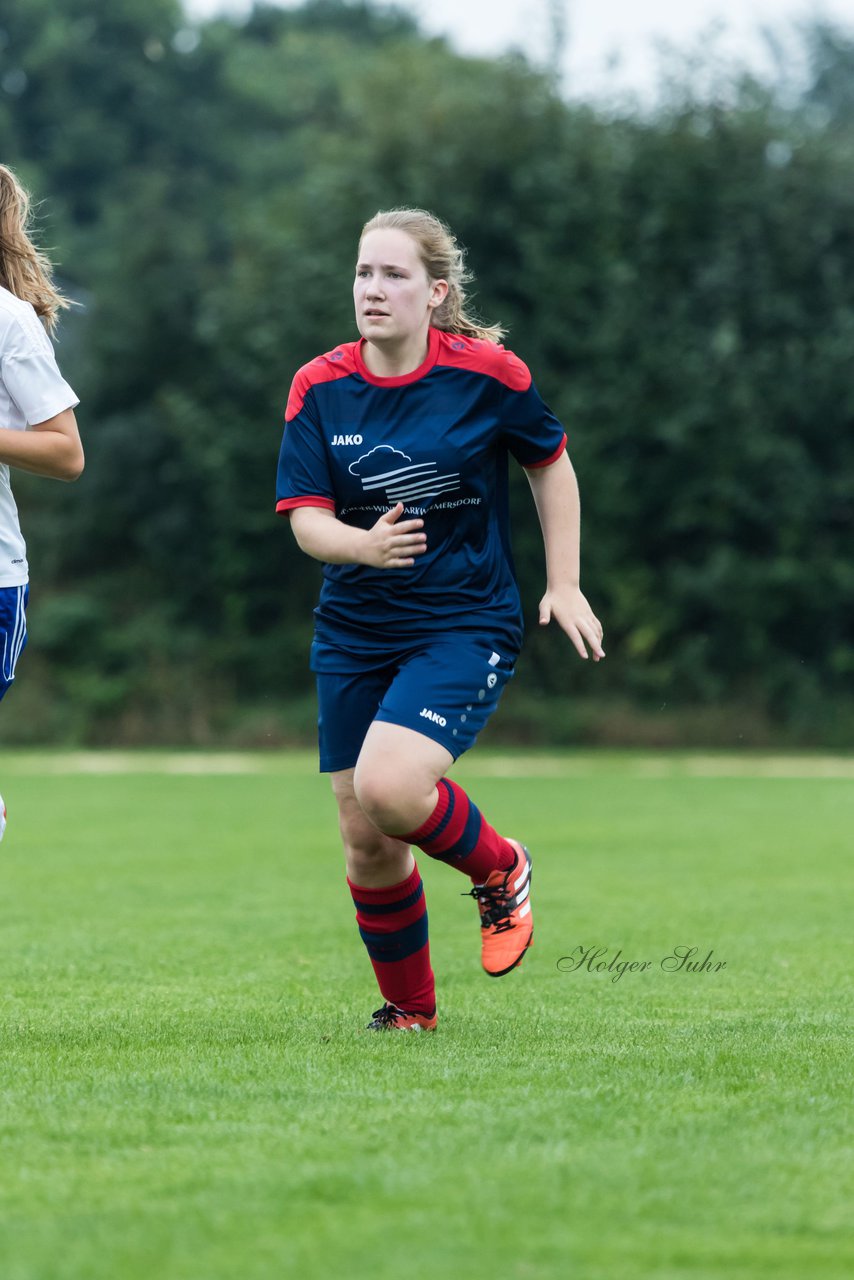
[(12, 650)]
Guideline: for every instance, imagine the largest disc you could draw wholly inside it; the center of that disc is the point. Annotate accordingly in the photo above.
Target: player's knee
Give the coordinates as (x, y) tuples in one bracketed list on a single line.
[(383, 800), (367, 851), (358, 833), (366, 860)]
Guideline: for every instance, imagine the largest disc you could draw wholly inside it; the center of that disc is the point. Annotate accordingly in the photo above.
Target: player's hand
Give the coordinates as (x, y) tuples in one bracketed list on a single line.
[(573, 614), (393, 545)]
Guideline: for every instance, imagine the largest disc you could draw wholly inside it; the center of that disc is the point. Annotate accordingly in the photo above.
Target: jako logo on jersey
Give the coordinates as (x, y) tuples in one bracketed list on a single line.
[(346, 439), (432, 715)]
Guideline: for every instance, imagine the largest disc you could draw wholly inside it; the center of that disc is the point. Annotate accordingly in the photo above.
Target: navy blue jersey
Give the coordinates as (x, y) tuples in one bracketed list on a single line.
[(437, 440)]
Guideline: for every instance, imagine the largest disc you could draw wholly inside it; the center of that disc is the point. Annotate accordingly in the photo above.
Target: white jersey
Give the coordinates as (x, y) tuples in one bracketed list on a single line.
[(31, 390)]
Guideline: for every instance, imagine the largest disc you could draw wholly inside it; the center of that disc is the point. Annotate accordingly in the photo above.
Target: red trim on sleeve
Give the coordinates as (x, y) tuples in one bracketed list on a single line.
[(547, 462), (284, 505), (327, 368), (482, 356)]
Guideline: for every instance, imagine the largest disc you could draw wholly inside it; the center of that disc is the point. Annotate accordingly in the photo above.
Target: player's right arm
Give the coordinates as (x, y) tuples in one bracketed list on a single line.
[(51, 448), (388, 544), (305, 490)]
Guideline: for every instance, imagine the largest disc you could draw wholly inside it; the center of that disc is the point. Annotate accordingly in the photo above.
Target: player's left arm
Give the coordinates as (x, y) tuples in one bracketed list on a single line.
[(50, 448), (555, 491)]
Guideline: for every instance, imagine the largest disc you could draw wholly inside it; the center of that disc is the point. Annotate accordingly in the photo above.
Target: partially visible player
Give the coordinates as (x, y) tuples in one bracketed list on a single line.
[(38, 430), (393, 471)]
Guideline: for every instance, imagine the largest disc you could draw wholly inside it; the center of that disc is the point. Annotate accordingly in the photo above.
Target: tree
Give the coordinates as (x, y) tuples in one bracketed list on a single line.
[(679, 283)]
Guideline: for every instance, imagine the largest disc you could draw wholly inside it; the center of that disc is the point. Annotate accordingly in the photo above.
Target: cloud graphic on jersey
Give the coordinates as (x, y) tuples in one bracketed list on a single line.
[(388, 456), (380, 469)]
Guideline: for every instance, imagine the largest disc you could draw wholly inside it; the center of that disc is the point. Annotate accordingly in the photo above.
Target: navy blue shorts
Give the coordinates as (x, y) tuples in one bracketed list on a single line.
[(446, 689), (13, 631)]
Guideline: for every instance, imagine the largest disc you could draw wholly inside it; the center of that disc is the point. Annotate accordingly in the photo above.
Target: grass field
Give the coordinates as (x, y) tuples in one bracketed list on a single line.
[(187, 1094)]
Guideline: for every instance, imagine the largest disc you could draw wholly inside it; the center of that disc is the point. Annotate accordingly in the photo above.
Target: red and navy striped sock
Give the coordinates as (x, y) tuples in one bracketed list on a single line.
[(393, 925), (457, 833)]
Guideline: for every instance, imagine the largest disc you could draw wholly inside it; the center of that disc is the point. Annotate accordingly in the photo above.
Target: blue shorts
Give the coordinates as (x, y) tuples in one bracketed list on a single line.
[(13, 631), (446, 689)]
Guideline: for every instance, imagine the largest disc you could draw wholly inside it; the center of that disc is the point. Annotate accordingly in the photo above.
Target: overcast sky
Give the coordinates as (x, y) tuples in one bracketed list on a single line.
[(611, 44)]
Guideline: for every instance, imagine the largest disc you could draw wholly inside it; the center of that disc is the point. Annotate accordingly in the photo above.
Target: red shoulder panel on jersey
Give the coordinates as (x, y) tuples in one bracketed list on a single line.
[(326, 368), (482, 356), (547, 462), (284, 505)]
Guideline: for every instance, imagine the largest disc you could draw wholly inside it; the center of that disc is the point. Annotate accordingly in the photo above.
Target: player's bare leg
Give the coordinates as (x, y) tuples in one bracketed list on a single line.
[(396, 776), (400, 784), (373, 859), (391, 914)]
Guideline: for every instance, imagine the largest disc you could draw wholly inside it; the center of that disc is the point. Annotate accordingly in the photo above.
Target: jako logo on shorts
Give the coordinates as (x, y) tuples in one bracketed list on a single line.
[(432, 715)]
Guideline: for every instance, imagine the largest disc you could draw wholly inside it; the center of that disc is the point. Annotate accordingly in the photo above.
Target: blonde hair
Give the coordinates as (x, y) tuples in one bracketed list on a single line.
[(24, 269), (443, 259)]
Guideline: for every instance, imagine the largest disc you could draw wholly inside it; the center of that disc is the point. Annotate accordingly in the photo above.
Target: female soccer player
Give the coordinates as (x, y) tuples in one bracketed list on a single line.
[(393, 471), (38, 431)]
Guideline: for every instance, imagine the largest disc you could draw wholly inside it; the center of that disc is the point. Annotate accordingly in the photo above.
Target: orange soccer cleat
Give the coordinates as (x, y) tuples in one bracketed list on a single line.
[(505, 914)]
